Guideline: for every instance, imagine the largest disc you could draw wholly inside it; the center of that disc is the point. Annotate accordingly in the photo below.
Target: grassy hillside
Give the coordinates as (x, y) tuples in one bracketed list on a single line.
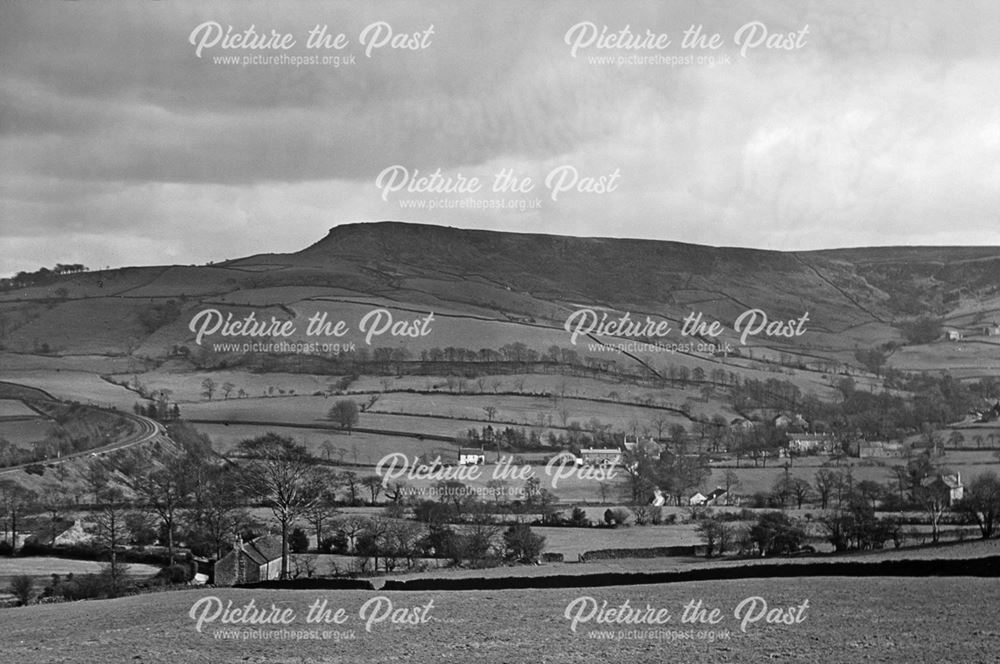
[(511, 283)]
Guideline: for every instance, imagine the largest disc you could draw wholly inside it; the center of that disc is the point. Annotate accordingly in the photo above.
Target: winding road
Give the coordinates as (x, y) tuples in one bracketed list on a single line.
[(147, 431)]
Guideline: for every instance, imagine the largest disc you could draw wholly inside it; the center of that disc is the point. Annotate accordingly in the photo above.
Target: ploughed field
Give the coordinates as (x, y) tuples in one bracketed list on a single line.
[(845, 620)]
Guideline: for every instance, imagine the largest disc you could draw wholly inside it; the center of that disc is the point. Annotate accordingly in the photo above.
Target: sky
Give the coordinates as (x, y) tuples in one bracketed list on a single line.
[(808, 125)]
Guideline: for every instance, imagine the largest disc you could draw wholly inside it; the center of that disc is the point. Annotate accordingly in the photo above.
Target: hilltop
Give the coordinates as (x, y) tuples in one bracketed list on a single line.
[(501, 283)]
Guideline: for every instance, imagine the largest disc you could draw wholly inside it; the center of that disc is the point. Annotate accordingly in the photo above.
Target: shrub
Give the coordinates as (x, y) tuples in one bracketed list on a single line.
[(618, 516), (643, 515), (23, 588), (32, 547), (176, 573), (522, 545), (298, 541), (579, 518), (336, 543)]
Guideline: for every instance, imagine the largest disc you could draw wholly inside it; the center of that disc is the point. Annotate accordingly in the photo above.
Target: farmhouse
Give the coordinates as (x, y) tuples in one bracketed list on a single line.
[(812, 443), (991, 330), (949, 485), (951, 334), (785, 420), (596, 456), (988, 415), (469, 456), (646, 445), (258, 560), (867, 449), (697, 499)]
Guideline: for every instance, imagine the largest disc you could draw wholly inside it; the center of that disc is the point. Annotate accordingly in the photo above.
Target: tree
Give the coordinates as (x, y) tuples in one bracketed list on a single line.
[(872, 359), (15, 502), (208, 388), (521, 544), (935, 502), (776, 533), (165, 491), (96, 477), (370, 543), (298, 541), (870, 492), (284, 477), (922, 330), (374, 485), (23, 588), (345, 413), (350, 481), (716, 534), (731, 480), (800, 489), (111, 531), (401, 541), (982, 502), (320, 514), (826, 481), (55, 504), (215, 516), (351, 526)]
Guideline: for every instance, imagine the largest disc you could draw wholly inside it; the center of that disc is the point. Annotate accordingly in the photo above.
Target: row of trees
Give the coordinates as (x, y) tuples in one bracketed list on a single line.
[(41, 276)]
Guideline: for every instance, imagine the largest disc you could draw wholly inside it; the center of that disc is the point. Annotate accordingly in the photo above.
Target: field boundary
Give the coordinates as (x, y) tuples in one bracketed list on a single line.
[(974, 567)]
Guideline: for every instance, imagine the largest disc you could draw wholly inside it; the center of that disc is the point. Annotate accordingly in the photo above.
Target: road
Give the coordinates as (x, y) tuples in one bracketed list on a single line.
[(147, 431)]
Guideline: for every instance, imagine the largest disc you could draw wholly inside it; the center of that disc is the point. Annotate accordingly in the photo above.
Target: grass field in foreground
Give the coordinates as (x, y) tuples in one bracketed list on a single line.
[(846, 620)]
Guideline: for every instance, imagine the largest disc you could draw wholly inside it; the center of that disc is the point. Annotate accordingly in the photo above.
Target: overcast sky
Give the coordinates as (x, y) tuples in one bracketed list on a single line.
[(119, 145)]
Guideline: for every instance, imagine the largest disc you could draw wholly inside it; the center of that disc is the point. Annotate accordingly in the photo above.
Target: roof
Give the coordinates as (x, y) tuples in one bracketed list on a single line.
[(715, 494), (949, 481), (601, 450), (264, 549), (810, 436), (471, 450)]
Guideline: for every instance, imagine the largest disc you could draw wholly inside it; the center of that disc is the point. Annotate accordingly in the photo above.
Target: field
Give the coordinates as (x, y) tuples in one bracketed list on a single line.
[(846, 620), (363, 448), (964, 359), (13, 408), (573, 541), (42, 569), (24, 432)]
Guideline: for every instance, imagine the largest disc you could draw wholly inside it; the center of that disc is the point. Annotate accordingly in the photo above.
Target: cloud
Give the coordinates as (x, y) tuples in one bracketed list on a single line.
[(880, 130)]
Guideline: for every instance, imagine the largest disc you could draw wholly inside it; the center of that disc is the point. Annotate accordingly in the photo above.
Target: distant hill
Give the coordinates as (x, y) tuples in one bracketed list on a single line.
[(856, 298)]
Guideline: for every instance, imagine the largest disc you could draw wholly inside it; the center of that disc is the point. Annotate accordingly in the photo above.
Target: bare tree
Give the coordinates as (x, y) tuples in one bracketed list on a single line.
[(351, 525), (165, 491), (55, 503), (826, 481), (110, 530), (15, 502), (208, 388), (374, 485), (284, 477), (349, 479)]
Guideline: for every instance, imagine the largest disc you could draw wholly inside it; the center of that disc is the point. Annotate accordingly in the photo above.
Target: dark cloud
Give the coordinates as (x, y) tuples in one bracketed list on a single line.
[(112, 130)]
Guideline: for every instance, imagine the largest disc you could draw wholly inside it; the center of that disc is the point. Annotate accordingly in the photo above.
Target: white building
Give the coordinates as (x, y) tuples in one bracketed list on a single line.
[(468, 456)]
